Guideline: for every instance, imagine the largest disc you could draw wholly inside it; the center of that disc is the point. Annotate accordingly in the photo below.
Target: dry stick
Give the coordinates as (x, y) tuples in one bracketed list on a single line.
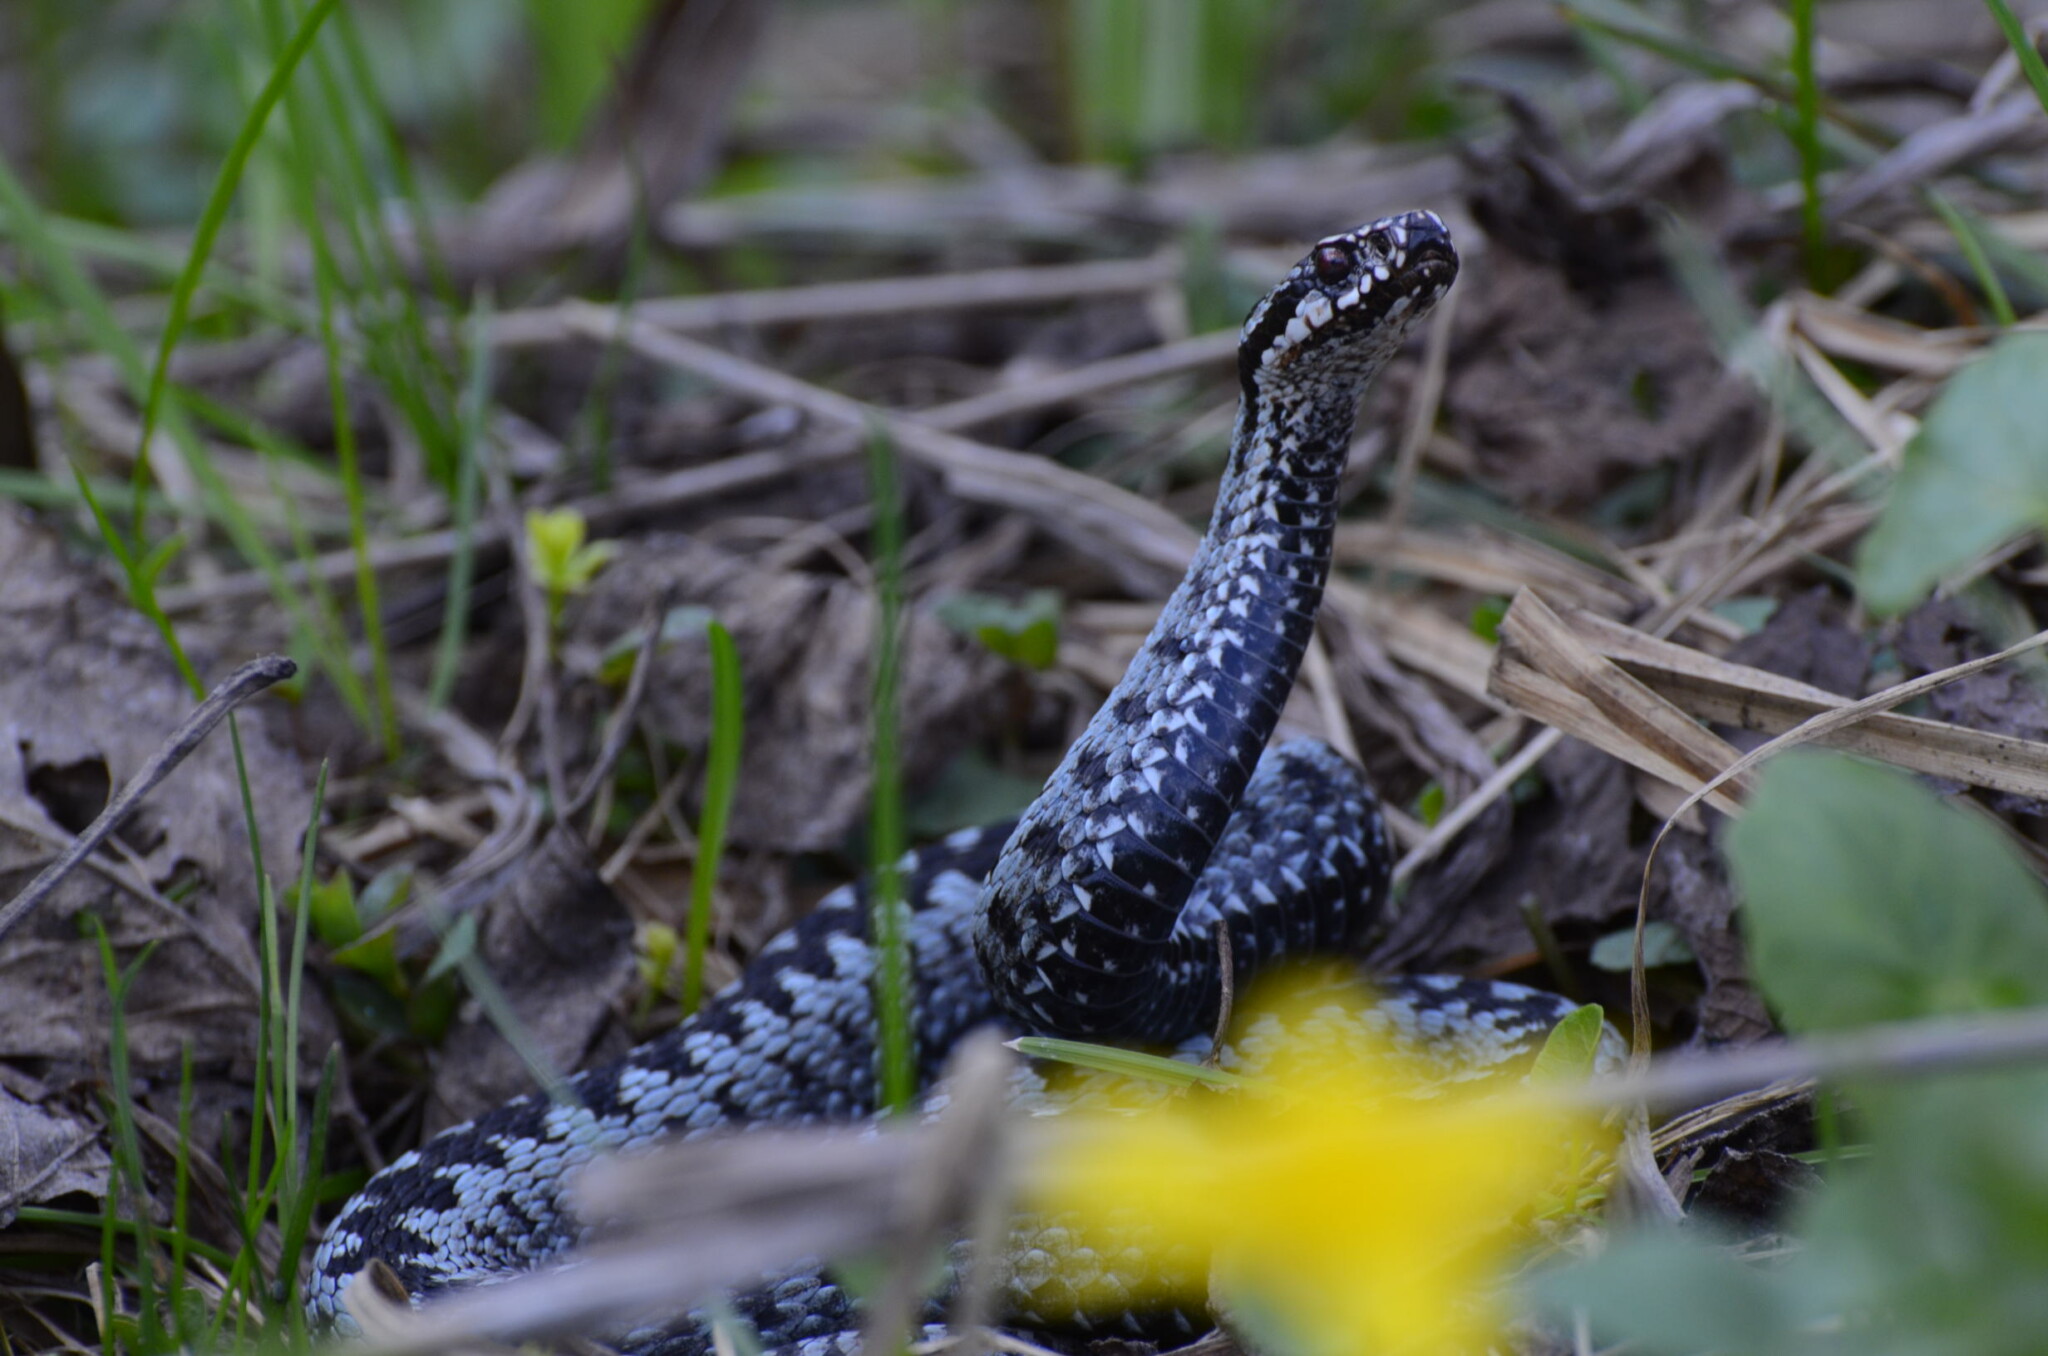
[(963, 1165), (1322, 679), (125, 872), (1143, 544), (1470, 808), (1892, 1049), (867, 299), (1166, 360), (621, 728), (243, 684)]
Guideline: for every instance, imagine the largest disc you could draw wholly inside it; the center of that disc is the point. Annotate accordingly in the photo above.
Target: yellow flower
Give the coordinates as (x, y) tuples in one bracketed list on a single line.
[(1349, 1208)]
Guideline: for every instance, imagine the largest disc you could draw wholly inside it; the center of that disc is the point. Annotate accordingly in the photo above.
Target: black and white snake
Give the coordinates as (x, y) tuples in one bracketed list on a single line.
[(1094, 917)]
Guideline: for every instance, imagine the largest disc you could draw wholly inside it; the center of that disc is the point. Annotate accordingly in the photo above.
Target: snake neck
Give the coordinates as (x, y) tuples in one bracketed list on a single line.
[(1085, 897), (1076, 926)]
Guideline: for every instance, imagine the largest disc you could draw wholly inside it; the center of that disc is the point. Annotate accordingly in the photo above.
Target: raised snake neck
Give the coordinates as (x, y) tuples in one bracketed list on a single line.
[(1098, 918), (1084, 929)]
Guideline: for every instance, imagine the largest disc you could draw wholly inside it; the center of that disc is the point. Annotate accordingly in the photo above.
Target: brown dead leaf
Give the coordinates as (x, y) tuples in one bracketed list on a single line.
[(86, 696), (45, 1154)]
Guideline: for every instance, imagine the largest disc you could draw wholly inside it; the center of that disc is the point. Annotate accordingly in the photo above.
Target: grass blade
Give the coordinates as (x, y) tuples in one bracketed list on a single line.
[(721, 776), (885, 896), (1174, 1073), (1971, 243), (2022, 47), (211, 218), (1806, 140), (472, 431)]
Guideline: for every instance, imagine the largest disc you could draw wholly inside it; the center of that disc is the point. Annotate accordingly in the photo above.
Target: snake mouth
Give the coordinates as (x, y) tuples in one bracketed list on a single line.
[(1432, 263)]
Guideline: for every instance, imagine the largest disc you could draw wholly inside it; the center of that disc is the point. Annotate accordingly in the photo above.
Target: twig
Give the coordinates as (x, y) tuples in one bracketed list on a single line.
[(1143, 544), (243, 684), (1930, 1045), (696, 483), (1470, 808), (1166, 360), (1226, 967), (866, 299), (621, 728)]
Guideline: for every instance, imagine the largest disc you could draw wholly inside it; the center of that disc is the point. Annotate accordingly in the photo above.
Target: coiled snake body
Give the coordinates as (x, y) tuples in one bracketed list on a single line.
[(1096, 916)]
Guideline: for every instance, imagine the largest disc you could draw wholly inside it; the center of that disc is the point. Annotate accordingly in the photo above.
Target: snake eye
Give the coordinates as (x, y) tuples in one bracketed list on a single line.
[(1333, 262), (1381, 243)]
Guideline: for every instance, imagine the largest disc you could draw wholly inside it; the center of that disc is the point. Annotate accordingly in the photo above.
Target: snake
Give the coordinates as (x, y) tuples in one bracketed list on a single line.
[(1096, 915)]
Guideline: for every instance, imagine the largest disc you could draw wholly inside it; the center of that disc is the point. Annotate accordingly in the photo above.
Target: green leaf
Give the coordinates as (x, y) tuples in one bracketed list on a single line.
[(1487, 615), (1975, 474), (1866, 899), (1025, 632), (333, 906), (1667, 1293), (430, 1009), (1749, 612), (376, 956), (721, 784), (1943, 1229), (561, 560), (457, 946), (387, 890), (1130, 1063), (1571, 1047), (1663, 944)]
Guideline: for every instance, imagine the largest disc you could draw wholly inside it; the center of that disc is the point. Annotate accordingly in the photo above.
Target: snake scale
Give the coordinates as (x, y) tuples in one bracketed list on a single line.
[(1095, 916)]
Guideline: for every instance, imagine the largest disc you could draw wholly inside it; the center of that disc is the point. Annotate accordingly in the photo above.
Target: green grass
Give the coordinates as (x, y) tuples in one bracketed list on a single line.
[(324, 162), (472, 446), (1813, 227), (1969, 235), (2023, 48), (886, 910), (721, 780), (151, 1306), (215, 214)]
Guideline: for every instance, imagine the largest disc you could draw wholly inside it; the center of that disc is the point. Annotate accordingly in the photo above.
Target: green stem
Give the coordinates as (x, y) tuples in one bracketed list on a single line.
[(1806, 138), (721, 776), (886, 914)]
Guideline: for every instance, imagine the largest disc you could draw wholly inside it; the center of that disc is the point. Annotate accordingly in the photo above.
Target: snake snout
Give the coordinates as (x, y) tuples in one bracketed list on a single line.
[(1429, 247)]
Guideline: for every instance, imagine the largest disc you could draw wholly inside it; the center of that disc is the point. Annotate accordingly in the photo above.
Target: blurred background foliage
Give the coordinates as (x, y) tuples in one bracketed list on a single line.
[(120, 110)]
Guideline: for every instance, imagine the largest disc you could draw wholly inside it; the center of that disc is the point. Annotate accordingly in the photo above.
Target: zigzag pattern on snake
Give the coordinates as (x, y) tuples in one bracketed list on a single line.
[(1094, 917)]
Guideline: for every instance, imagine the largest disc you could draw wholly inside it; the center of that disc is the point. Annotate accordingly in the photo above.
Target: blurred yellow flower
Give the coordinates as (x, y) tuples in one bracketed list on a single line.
[(1351, 1208)]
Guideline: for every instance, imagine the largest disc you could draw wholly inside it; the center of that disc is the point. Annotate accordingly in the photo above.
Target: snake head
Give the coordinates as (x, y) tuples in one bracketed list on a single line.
[(1347, 304)]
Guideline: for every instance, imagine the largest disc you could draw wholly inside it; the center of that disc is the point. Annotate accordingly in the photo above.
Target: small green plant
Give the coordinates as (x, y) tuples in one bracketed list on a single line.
[(1974, 475), (376, 988), (1025, 632), (563, 563)]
